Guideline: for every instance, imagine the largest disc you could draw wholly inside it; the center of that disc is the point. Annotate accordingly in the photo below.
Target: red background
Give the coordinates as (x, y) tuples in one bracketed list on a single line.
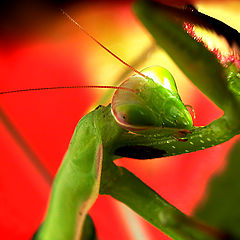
[(53, 53)]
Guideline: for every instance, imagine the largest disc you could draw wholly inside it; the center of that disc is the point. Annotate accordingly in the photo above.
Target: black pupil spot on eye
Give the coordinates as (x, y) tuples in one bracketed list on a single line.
[(124, 117)]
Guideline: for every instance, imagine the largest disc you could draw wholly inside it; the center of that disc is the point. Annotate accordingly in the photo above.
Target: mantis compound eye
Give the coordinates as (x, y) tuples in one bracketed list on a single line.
[(129, 109), (154, 103)]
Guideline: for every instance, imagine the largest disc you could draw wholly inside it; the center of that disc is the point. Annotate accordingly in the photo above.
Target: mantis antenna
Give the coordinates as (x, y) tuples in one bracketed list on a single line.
[(80, 86), (100, 44), (63, 87)]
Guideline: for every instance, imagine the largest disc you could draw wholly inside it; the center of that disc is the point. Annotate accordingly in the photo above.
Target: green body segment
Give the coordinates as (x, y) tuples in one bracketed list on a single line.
[(155, 102), (233, 79), (75, 185)]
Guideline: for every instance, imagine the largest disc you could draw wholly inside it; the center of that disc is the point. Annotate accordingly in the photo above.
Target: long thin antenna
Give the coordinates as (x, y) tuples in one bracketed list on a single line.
[(95, 40), (63, 87)]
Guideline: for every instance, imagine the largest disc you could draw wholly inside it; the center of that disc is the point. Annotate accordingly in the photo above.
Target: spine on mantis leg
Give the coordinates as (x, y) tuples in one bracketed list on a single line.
[(76, 184)]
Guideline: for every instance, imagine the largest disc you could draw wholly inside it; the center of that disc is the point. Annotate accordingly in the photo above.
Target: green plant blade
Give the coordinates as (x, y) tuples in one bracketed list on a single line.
[(198, 64), (221, 208)]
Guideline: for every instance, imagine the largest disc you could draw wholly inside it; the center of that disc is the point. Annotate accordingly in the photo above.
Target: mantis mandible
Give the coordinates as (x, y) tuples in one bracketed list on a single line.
[(88, 163)]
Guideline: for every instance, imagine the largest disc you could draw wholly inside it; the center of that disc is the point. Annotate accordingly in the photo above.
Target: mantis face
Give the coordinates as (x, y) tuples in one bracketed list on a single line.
[(155, 102)]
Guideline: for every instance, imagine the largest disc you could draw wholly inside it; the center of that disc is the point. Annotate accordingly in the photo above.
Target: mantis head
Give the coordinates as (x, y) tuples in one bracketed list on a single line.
[(155, 102)]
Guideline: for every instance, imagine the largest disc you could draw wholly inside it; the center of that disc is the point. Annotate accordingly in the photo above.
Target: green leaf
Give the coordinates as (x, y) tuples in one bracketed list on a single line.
[(221, 208), (199, 65)]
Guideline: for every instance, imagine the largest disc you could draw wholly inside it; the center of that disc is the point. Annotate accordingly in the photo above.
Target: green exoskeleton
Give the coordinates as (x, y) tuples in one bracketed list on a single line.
[(146, 119), (154, 102)]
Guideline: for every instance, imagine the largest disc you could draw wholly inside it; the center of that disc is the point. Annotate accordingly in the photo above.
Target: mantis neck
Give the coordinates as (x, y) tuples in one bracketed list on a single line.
[(76, 184)]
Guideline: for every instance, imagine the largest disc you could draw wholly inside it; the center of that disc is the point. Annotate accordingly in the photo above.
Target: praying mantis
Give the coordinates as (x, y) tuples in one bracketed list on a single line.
[(102, 149)]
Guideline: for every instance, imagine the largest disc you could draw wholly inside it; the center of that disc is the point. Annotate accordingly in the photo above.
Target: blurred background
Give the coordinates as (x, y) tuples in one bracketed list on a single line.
[(40, 47)]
